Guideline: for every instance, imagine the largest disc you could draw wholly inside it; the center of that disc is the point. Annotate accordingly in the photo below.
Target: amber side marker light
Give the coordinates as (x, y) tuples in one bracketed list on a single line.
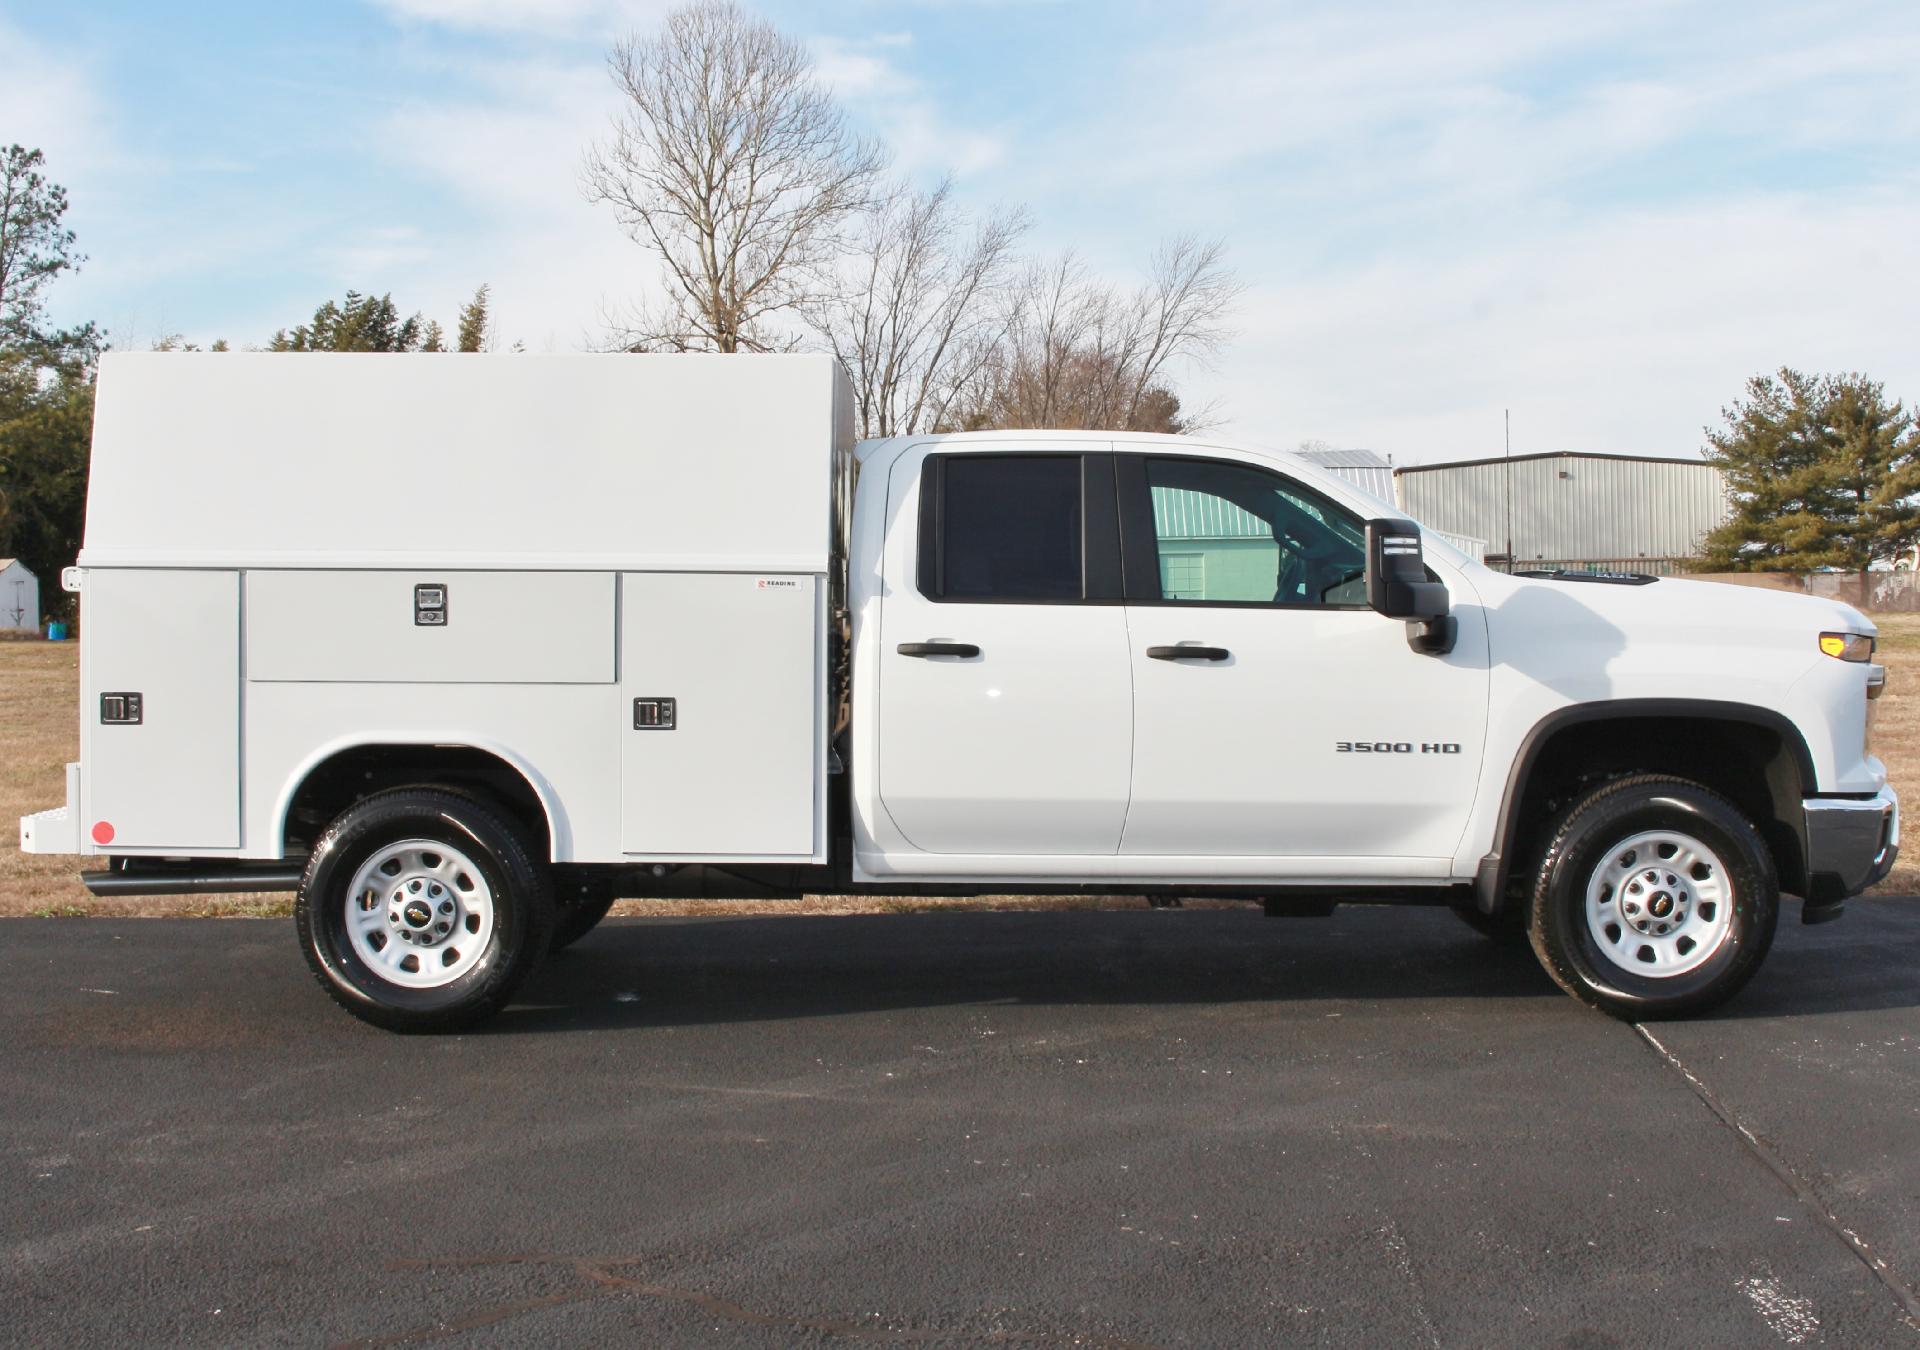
[(1847, 646)]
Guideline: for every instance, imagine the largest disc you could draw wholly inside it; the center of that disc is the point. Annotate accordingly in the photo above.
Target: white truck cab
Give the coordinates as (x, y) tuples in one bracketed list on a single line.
[(463, 648)]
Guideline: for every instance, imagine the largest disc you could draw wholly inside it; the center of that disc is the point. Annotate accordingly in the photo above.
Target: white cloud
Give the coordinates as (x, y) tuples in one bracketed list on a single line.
[(509, 153), (901, 108), (1625, 334), (51, 101), (1605, 217), (558, 17)]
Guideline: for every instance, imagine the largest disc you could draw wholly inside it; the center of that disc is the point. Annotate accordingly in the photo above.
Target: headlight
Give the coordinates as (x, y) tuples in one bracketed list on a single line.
[(1847, 646)]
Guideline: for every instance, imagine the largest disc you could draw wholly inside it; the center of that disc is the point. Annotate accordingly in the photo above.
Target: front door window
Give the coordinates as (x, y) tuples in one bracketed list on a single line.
[(1234, 534)]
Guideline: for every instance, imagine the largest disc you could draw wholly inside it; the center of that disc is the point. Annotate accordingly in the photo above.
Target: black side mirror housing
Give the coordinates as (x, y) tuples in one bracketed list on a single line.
[(1398, 585)]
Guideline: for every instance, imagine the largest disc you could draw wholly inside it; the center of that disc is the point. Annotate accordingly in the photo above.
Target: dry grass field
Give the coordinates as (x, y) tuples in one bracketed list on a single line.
[(39, 733)]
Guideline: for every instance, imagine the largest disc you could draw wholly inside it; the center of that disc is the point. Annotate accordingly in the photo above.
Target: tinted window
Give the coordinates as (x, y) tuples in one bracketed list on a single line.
[(1010, 528), (1234, 534)]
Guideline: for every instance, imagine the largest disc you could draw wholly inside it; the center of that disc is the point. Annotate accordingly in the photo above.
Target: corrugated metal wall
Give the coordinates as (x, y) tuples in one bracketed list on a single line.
[(1179, 513), (1571, 507), (1365, 469)]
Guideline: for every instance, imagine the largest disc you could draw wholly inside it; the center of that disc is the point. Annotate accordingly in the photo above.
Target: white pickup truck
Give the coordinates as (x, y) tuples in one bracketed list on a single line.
[(462, 648)]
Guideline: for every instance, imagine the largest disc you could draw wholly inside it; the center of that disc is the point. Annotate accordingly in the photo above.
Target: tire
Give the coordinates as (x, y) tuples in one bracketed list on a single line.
[(1640, 932), (575, 918), (468, 912)]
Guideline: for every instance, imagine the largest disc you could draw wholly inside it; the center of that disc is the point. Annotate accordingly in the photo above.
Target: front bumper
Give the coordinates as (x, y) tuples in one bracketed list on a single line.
[(1852, 842)]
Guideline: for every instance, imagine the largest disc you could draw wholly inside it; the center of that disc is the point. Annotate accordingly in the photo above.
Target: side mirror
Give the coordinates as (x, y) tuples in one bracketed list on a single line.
[(1397, 585)]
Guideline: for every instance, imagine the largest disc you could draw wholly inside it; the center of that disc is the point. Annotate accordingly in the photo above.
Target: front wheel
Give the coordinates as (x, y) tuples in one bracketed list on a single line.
[(1656, 899), (423, 910)]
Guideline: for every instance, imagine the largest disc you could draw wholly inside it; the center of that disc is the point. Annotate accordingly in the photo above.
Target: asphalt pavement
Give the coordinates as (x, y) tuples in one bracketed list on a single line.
[(1186, 1128)]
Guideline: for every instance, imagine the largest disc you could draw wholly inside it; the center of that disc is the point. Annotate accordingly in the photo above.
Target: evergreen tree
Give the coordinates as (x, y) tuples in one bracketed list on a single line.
[(46, 379), (1822, 472), (359, 323), (475, 331), (46, 426), (35, 248)]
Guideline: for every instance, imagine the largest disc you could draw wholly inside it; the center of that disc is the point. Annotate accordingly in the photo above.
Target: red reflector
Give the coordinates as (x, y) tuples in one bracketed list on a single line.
[(102, 832)]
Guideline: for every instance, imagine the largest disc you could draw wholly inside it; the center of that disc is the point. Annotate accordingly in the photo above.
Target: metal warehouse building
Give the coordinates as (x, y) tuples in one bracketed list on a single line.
[(1619, 512), (1370, 471)]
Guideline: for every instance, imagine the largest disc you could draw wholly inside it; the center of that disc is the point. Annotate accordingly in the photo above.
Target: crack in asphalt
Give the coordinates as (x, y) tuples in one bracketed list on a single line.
[(1802, 1189), (603, 1280)]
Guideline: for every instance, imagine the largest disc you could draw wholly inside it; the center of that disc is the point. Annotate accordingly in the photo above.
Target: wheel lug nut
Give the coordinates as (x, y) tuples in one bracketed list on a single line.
[(446, 906), (413, 886)]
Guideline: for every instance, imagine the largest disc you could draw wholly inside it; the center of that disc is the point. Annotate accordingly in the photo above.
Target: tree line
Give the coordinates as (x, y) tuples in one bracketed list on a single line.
[(775, 227)]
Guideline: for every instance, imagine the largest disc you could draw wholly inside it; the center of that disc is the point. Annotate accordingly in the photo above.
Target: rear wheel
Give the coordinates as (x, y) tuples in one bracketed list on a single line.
[(423, 910), (1656, 898)]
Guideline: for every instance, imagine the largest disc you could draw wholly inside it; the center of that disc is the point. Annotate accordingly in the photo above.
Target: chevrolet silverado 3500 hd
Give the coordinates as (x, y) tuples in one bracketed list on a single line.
[(462, 648)]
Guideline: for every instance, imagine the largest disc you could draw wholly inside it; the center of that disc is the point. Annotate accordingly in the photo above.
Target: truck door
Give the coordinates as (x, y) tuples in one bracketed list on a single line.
[(1006, 703), (1275, 714)]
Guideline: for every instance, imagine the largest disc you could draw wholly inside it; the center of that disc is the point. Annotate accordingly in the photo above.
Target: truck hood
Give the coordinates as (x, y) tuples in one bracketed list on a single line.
[(1713, 604), (1614, 639)]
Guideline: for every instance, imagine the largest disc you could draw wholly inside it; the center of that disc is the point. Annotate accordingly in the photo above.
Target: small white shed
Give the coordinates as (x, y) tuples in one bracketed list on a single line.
[(19, 597)]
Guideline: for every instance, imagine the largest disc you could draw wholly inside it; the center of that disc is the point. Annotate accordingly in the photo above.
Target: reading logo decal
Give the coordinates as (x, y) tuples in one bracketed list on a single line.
[(779, 584)]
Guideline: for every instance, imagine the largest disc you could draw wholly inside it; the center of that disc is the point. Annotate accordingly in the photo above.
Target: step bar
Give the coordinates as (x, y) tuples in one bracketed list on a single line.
[(143, 876)]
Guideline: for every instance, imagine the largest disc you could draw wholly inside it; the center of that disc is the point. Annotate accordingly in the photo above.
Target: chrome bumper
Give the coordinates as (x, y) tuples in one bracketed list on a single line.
[(1852, 843)]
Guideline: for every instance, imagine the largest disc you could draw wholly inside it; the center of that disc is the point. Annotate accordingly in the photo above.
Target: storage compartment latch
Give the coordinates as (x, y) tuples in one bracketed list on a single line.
[(653, 714), (430, 605), (120, 710)]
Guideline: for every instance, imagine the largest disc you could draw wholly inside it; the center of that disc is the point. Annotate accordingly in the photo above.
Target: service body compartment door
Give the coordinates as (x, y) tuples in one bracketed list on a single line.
[(722, 705), (160, 661), (432, 627)]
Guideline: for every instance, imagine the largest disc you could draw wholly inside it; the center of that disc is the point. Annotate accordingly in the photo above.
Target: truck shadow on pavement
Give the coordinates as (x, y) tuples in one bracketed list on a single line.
[(679, 972)]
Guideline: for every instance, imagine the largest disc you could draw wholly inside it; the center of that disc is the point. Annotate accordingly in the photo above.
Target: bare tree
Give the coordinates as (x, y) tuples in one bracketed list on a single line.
[(1080, 353), (921, 309), (1181, 314), (733, 163)]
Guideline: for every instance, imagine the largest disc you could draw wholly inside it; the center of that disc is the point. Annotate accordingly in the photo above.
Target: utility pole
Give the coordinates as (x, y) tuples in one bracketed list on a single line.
[(1507, 414)]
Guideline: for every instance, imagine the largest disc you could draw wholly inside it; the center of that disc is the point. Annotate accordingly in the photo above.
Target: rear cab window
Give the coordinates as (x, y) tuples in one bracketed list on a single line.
[(1018, 529)]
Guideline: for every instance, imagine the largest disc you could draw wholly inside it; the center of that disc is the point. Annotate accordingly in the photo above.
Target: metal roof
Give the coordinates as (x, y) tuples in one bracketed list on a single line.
[(1548, 454), (1365, 469), (1330, 458)]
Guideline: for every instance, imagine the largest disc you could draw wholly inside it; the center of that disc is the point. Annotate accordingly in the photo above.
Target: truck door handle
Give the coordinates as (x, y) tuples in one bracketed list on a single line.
[(1188, 651), (938, 649)]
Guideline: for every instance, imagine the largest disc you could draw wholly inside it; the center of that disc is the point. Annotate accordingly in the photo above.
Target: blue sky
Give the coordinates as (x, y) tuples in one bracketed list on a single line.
[(1602, 216)]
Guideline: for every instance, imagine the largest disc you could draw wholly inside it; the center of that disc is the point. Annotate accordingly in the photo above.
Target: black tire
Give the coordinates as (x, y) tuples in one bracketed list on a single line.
[(576, 916), (1604, 820), (522, 908)]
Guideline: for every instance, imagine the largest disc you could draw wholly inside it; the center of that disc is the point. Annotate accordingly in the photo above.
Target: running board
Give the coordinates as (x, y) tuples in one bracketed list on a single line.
[(134, 876)]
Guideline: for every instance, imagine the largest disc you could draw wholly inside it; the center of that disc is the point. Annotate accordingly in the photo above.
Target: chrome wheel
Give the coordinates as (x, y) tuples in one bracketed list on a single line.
[(419, 913), (1659, 904)]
